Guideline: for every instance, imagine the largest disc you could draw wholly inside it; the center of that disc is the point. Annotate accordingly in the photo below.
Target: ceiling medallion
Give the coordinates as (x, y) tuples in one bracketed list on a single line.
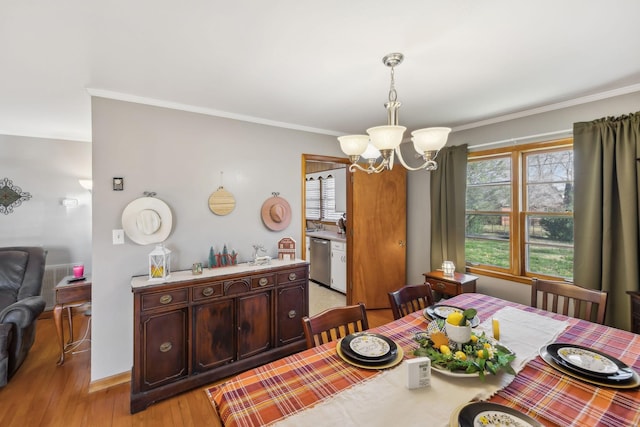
[(11, 196)]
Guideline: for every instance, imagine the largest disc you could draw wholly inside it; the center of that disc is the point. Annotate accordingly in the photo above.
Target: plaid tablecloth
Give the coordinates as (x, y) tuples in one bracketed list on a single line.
[(276, 390)]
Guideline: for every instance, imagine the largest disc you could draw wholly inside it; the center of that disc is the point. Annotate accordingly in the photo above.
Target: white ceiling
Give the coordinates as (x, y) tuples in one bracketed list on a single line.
[(314, 65)]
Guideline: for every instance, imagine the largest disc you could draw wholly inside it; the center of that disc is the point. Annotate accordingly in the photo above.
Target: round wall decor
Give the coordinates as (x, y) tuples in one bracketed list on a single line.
[(147, 220), (276, 213), (221, 202)]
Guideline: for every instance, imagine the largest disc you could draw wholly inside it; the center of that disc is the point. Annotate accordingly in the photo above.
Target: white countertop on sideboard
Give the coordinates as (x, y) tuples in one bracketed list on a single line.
[(184, 275)]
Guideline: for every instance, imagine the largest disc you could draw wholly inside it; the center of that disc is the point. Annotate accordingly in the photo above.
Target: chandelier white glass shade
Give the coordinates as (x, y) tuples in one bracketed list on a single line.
[(387, 139)]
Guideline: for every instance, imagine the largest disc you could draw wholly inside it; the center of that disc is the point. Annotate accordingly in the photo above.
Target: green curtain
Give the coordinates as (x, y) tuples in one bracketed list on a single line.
[(448, 193), (606, 220)]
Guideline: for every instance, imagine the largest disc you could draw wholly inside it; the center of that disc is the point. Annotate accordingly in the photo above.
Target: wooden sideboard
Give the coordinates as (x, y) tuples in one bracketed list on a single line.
[(193, 330)]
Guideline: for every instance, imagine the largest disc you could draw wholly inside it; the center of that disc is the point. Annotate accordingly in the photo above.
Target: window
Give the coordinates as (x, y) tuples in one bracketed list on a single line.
[(313, 206), (519, 211), (321, 199)]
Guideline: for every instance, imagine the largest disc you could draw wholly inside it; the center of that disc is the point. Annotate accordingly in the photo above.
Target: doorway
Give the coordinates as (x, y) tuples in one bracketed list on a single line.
[(322, 215)]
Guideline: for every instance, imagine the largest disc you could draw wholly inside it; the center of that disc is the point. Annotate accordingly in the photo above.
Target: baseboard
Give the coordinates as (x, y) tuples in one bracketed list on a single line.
[(109, 382)]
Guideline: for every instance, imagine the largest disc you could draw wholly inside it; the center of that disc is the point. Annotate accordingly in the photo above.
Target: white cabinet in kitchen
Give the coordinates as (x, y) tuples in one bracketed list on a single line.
[(307, 246), (339, 266)]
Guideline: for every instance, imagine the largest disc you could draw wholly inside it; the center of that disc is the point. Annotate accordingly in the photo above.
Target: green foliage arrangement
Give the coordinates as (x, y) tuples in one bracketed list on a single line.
[(481, 354)]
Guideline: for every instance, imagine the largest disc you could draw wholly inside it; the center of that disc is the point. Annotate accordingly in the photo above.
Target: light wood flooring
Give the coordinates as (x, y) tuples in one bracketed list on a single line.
[(44, 394)]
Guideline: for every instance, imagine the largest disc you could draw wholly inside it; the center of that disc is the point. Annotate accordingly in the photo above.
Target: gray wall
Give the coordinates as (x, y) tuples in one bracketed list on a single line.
[(552, 121), (48, 169), (180, 155)]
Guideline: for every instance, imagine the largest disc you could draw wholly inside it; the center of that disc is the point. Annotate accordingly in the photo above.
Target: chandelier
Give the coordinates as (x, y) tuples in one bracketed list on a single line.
[(384, 141)]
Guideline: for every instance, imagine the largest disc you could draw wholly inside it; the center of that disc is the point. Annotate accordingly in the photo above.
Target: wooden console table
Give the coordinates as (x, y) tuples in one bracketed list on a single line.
[(69, 295), (451, 286)]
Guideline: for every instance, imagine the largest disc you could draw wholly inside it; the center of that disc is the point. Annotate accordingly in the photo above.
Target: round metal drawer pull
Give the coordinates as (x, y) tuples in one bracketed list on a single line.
[(207, 292), (165, 346), (263, 281), (440, 286), (292, 314), (166, 299), (292, 276)]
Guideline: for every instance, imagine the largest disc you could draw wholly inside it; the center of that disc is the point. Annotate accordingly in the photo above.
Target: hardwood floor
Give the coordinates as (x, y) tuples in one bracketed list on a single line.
[(44, 394)]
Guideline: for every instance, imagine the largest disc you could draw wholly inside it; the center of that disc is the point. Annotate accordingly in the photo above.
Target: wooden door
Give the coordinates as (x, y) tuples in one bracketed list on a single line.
[(377, 218)]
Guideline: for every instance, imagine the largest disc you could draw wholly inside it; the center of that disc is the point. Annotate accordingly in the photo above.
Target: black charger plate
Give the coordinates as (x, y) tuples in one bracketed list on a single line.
[(501, 413), (623, 373), (431, 312), (345, 346)]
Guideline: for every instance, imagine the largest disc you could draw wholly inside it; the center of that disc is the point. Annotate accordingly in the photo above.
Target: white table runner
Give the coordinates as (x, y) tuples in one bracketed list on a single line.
[(384, 400)]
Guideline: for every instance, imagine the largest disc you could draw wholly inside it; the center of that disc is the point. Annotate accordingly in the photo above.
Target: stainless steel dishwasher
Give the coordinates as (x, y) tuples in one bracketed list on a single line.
[(320, 264)]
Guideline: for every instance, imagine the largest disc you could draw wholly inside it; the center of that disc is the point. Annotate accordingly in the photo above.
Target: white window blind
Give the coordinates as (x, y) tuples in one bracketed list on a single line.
[(328, 188), (313, 199)]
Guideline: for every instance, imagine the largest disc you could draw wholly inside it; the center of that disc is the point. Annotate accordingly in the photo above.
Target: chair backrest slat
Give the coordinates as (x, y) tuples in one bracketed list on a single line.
[(635, 311), (576, 301), (334, 323), (409, 299)]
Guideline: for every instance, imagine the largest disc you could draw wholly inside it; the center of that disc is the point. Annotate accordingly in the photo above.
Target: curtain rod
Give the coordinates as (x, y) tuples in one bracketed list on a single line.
[(520, 139)]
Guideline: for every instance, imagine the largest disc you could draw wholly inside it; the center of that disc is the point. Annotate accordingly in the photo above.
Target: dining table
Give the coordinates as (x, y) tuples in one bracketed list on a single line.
[(318, 387)]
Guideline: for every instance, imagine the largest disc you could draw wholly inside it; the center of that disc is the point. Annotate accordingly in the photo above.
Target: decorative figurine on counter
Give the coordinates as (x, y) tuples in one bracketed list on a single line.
[(287, 249), (222, 259), (260, 260), (225, 255), (212, 258)]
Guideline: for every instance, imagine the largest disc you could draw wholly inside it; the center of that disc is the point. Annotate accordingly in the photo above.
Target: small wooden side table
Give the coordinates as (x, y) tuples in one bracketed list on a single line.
[(451, 286), (69, 295)]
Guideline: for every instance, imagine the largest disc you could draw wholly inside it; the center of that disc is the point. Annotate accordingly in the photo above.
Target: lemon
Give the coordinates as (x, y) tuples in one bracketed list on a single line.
[(444, 349), (460, 355), (454, 318)]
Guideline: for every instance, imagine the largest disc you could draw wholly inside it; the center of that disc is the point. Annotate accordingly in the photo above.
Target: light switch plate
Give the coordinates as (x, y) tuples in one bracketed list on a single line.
[(118, 237)]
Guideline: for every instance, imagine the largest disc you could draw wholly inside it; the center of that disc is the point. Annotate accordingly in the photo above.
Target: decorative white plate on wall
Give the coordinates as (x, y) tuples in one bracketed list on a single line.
[(147, 220)]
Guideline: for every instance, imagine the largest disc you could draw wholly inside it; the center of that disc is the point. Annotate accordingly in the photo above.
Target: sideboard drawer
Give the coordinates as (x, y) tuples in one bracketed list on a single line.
[(210, 290), (164, 299), (292, 275), (443, 287), (263, 281)]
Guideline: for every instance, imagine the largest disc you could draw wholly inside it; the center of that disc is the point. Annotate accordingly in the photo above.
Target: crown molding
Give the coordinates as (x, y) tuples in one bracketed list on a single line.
[(552, 107), (102, 93)]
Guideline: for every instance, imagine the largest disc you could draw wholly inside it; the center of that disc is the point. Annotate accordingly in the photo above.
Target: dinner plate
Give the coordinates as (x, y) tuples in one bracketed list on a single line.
[(589, 361), (611, 382), (398, 358), (441, 311), (369, 348), (493, 414)]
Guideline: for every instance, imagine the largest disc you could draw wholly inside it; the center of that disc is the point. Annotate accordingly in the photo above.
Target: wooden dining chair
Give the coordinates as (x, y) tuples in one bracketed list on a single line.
[(570, 299), (410, 298), (334, 323), (635, 311)]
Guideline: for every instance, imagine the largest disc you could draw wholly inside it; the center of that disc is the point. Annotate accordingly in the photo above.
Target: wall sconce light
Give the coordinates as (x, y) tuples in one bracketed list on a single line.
[(69, 203), (87, 184)]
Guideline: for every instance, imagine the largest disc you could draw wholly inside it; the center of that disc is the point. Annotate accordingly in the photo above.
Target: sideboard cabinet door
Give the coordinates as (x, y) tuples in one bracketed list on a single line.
[(213, 338), (291, 308), (254, 323), (165, 348)]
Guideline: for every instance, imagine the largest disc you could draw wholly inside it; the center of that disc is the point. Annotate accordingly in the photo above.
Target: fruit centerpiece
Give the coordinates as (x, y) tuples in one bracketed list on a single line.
[(477, 354)]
